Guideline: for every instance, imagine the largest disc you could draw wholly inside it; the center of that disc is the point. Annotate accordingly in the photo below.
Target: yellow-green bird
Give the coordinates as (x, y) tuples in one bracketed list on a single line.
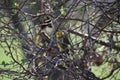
[(42, 38), (62, 41)]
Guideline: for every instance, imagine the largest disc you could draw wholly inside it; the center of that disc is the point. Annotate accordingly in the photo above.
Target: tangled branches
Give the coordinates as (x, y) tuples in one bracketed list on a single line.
[(59, 40)]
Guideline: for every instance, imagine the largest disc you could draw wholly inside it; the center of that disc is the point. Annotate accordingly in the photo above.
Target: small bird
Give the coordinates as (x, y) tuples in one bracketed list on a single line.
[(42, 38), (47, 26), (62, 41)]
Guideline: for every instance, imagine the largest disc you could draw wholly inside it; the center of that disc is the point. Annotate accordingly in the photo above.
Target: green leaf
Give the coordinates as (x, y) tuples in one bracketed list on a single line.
[(33, 3), (16, 4), (81, 10), (55, 3), (3, 63), (62, 10)]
